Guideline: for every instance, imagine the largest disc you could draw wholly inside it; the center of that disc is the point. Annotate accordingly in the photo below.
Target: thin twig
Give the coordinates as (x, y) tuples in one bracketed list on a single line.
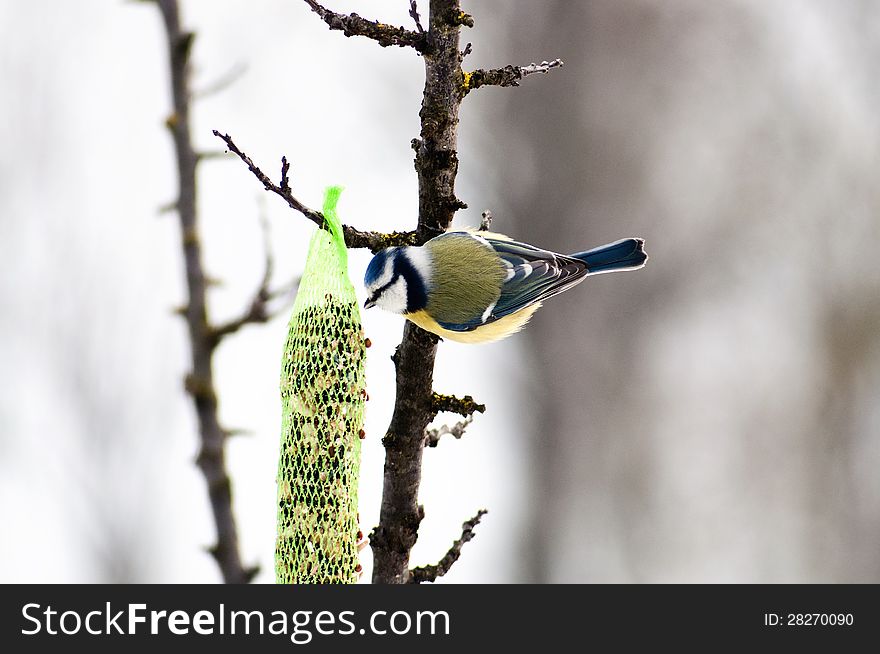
[(168, 207), (238, 431), (431, 572), (284, 190), (207, 155), (384, 35), (414, 14), (287, 290), (507, 76), (354, 238), (432, 436), (463, 406), (544, 67), (258, 309), (285, 176), (200, 381), (222, 83)]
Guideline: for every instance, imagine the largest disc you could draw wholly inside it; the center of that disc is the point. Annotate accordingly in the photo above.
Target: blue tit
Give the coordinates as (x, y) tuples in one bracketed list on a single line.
[(477, 287)]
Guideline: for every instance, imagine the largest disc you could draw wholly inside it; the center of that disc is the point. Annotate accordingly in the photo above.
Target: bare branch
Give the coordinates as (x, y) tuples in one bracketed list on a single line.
[(222, 83), (431, 572), (168, 207), (285, 175), (544, 67), (210, 154), (432, 436), (384, 35), (436, 164), (414, 13), (354, 238), (200, 382), (284, 191), (463, 406), (238, 431), (257, 311), (507, 76), (287, 290)]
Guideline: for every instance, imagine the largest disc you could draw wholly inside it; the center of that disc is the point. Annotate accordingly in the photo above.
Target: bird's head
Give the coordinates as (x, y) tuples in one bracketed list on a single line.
[(397, 280)]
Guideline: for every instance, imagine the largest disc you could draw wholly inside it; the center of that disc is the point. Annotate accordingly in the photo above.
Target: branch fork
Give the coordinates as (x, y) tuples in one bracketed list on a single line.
[(384, 35), (431, 573), (354, 238)]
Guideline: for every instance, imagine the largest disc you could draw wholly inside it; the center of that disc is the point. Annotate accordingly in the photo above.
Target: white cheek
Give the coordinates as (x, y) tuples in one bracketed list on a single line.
[(393, 299)]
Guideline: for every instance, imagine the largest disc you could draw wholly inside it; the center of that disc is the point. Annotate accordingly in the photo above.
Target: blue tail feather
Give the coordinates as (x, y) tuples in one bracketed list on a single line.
[(626, 254)]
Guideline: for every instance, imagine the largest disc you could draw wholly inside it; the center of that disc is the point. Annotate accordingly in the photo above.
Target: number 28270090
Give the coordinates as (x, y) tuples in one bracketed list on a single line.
[(808, 619)]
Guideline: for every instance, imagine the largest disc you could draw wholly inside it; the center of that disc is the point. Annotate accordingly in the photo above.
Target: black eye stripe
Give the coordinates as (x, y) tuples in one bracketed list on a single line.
[(384, 288), (416, 293)]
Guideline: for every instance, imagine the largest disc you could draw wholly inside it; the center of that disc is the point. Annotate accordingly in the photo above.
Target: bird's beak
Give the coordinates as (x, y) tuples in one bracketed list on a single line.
[(368, 304)]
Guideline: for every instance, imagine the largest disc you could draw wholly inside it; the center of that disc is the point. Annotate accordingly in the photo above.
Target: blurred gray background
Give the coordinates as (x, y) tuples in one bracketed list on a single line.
[(711, 418)]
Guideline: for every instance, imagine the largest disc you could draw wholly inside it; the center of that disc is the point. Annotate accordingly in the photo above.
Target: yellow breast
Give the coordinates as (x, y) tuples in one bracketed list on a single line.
[(494, 331)]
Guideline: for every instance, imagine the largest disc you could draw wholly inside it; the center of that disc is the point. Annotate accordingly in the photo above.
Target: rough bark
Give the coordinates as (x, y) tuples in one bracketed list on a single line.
[(436, 164)]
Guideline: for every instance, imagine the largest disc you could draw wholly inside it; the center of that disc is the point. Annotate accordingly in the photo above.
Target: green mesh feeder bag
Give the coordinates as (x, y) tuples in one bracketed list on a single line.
[(322, 396)]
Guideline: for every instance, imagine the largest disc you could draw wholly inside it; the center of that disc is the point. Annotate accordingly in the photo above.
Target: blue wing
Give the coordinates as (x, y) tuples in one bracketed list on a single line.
[(533, 275)]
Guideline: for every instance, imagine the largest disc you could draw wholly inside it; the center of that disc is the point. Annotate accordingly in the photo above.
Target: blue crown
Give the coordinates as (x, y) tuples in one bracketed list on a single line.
[(377, 265)]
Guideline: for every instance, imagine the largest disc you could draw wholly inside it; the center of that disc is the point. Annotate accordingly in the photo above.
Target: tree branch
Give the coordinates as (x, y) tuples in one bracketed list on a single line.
[(507, 76), (436, 163), (221, 84), (414, 14), (200, 381), (258, 310), (431, 572), (384, 35), (464, 406), (354, 238), (432, 436)]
